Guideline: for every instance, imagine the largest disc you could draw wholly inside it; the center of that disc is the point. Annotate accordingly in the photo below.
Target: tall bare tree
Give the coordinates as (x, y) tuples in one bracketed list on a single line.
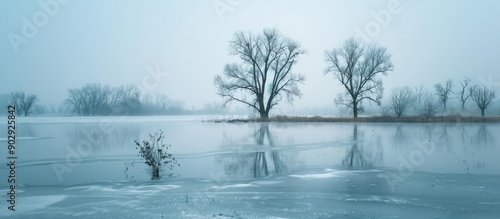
[(357, 67), (444, 91), (401, 100), (465, 91), (264, 74), (483, 97), (23, 102)]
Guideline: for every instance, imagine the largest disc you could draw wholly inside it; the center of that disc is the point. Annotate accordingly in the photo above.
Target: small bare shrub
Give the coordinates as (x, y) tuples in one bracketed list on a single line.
[(156, 155)]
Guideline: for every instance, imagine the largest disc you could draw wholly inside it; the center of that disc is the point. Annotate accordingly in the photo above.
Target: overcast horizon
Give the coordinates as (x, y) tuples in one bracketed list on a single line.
[(119, 43)]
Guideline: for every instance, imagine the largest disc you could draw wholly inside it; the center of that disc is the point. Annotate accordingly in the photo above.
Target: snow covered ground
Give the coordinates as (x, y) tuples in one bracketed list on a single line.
[(312, 193), (90, 169)]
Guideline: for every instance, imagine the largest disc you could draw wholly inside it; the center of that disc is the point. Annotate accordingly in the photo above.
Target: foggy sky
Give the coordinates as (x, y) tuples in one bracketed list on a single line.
[(114, 42)]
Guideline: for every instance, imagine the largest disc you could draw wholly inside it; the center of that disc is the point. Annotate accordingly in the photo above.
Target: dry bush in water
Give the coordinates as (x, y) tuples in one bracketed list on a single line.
[(156, 155)]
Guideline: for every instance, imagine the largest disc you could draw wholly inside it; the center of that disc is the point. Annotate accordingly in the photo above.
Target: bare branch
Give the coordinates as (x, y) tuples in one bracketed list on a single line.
[(444, 91)]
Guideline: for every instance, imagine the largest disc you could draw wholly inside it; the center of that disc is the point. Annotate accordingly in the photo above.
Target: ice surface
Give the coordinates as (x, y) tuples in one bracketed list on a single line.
[(361, 194)]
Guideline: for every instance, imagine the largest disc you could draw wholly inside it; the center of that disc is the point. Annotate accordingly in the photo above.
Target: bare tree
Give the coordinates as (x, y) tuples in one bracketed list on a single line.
[(401, 100), (444, 91), (357, 67), (429, 105), (265, 72), (125, 100), (465, 91), (483, 97), (75, 101), (23, 102), (28, 103), (89, 100)]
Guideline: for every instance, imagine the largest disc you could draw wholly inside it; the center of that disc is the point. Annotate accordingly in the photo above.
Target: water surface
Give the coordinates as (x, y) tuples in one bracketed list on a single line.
[(444, 169)]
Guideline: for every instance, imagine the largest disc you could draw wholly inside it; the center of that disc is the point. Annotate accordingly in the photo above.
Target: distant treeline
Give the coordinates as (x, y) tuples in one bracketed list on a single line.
[(405, 101), (96, 99)]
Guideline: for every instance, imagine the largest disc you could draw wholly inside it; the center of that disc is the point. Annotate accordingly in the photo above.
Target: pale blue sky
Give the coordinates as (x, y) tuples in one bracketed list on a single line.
[(113, 42)]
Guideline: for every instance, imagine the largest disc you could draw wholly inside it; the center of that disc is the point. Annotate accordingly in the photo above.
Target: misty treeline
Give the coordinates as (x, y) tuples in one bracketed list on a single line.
[(95, 99), (428, 102), (26, 104), (126, 100), (264, 76)]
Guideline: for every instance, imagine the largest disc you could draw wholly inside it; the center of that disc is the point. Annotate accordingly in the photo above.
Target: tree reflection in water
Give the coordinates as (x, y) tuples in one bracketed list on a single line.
[(364, 151), (483, 138), (262, 161), (355, 156)]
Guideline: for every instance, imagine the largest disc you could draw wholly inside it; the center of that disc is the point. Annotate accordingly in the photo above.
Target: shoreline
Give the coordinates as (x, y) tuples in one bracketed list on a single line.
[(373, 119)]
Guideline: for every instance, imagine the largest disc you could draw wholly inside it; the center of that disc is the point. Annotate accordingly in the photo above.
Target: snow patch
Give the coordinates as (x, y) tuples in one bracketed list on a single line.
[(329, 173), (378, 199), (233, 186), (128, 189), (317, 176), (267, 182)]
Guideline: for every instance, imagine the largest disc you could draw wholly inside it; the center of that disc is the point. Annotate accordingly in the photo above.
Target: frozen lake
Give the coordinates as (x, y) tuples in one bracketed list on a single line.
[(77, 167)]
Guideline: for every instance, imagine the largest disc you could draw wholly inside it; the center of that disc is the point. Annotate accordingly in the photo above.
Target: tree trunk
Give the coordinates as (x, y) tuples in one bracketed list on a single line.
[(482, 112), (264, 114), (355, 109)]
